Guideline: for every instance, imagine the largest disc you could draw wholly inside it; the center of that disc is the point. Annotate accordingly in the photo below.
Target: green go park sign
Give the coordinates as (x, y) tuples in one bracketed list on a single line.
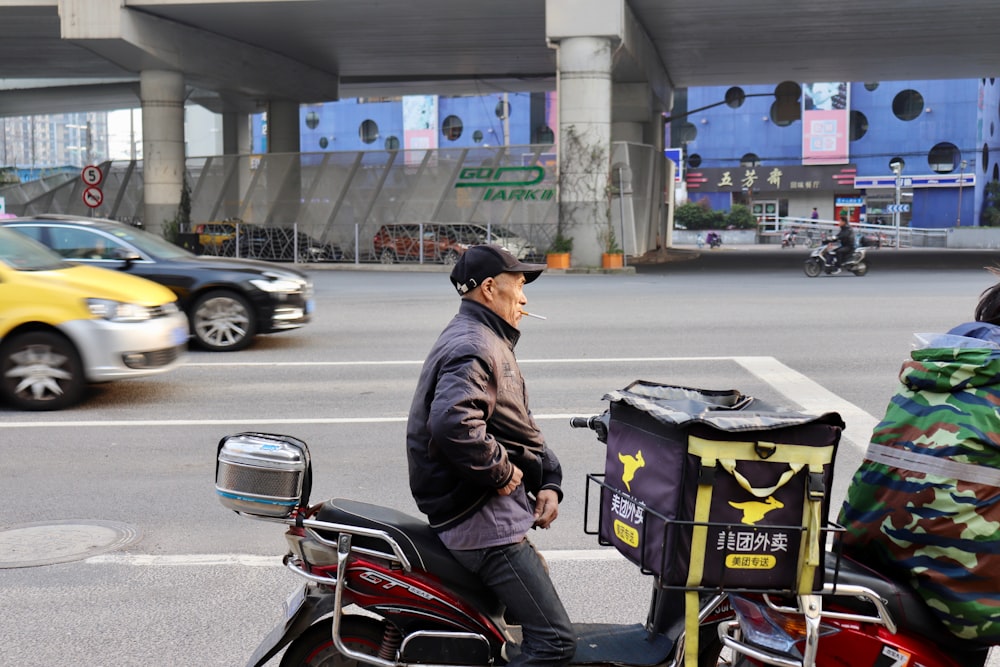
[(507, 183)]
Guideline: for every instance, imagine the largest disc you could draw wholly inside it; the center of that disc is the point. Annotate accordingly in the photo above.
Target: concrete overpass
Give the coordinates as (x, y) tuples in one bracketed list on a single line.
[(615, 63)]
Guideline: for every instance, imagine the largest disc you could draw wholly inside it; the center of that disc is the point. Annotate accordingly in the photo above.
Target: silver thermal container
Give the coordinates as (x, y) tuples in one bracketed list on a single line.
[(262, 474)]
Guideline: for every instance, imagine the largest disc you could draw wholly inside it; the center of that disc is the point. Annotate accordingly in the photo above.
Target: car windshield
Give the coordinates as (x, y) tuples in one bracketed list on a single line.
[(24, 254), (152, 245)]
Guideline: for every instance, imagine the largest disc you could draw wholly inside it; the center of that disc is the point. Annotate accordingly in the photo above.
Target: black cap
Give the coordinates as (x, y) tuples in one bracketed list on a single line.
[(480, 262)]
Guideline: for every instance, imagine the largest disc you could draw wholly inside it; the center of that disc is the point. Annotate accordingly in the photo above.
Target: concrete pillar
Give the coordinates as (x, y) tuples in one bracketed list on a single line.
[(630, 106), (283, 127), (584, 72), (231, 133), (236, 148), (632, 133), (285, 186), (162, 96), (663, 182)]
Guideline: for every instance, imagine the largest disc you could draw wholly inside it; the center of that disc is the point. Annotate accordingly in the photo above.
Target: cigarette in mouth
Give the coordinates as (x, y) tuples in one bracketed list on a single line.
[(537, 317)]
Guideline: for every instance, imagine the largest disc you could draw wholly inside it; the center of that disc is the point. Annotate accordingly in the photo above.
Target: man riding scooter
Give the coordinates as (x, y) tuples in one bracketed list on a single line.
[(845, 239)]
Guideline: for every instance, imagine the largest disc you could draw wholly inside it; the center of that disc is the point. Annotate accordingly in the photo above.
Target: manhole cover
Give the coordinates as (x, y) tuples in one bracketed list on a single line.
[(51, 542)]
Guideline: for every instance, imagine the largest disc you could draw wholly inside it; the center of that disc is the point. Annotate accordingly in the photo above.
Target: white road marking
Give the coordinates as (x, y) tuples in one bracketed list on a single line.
[(809, 395), (812, 396)]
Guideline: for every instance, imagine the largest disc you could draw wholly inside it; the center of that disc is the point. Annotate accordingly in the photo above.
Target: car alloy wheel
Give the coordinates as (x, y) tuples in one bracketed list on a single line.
[(222, 321), (41, 371)]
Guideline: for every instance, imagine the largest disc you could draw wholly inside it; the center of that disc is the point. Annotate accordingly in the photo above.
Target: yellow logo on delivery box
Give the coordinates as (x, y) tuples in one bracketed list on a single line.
[(751, 562), (630, 465), (626, 533), (754, 511)]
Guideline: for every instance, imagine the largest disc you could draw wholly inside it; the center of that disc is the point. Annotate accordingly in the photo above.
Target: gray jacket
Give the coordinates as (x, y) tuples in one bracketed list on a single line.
[(470, 420)]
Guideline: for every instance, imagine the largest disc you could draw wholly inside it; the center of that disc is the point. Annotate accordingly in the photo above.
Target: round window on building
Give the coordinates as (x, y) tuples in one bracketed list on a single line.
[(451, 128), (686, 132), (312, 120), (735, 97), (871, 85), (324, 142), (477, 136), (750, 160), (545, 135), (368, 131), (986, 157), (859, 125), (908, 104), (694, 160), (944, 157), (787, 107), (392, 143), (784, 115)]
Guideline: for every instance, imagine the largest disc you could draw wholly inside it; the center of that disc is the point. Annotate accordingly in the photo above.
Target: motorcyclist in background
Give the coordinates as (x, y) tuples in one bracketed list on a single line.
[(845, 239)]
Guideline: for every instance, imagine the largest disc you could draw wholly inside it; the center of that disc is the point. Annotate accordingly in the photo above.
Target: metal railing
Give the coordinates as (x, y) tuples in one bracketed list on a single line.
[(886, 235), (335, 203)]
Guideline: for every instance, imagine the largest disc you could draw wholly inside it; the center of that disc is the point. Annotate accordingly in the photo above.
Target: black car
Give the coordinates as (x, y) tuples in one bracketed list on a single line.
[(227, 300)]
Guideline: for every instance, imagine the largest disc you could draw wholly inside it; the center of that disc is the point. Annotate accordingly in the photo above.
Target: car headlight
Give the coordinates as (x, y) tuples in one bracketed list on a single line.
[(274, 283), (116, 311)]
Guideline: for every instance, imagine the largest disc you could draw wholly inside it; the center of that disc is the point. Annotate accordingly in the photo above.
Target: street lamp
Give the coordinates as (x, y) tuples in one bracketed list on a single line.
[(897, 164), (961, 181)]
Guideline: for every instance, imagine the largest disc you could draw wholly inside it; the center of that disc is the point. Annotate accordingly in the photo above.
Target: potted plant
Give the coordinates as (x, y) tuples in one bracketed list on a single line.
[(558, 255), (613, 257)]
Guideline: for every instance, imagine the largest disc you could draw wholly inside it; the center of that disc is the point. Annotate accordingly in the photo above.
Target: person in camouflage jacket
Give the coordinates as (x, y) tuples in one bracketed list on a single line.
[(924, 506)]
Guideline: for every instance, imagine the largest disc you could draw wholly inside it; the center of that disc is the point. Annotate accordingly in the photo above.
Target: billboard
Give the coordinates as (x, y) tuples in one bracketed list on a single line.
[(826, 117), (420, 125)]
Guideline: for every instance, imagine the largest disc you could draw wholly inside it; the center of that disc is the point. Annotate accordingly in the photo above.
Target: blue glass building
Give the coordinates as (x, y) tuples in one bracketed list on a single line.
[(440, 122), (740, 144), (941, 130)]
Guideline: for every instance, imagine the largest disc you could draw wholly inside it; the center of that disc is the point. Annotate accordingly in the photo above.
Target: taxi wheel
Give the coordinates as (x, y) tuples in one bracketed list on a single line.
[(41, 370), (222, 321)]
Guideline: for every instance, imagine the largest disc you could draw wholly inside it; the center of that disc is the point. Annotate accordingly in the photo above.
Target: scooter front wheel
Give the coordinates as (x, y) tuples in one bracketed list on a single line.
[(813, 267), (314, 648)]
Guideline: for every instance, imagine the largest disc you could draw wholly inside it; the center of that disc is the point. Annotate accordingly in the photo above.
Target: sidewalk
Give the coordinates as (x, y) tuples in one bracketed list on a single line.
[(773, 257)]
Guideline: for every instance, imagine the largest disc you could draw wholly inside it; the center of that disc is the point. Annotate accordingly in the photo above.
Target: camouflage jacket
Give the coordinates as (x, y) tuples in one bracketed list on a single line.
[(925, 503)]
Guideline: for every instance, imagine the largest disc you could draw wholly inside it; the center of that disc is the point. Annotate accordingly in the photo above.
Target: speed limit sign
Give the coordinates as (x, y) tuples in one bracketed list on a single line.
[(92, 175)]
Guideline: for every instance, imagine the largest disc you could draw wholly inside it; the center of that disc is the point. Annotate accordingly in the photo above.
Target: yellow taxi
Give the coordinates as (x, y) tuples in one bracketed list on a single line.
[(211, 235), (63, 326)]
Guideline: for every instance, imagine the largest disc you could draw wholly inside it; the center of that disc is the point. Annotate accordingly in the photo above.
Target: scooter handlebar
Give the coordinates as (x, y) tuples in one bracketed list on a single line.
[(597, 423)]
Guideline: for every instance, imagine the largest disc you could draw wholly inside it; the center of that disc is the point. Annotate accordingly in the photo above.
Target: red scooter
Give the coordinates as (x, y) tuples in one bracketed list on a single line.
[(861, 618), (380, 588)]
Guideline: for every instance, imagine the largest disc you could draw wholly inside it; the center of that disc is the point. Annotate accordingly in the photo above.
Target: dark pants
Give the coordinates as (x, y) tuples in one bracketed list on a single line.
[(518, 576), (843, 254)]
